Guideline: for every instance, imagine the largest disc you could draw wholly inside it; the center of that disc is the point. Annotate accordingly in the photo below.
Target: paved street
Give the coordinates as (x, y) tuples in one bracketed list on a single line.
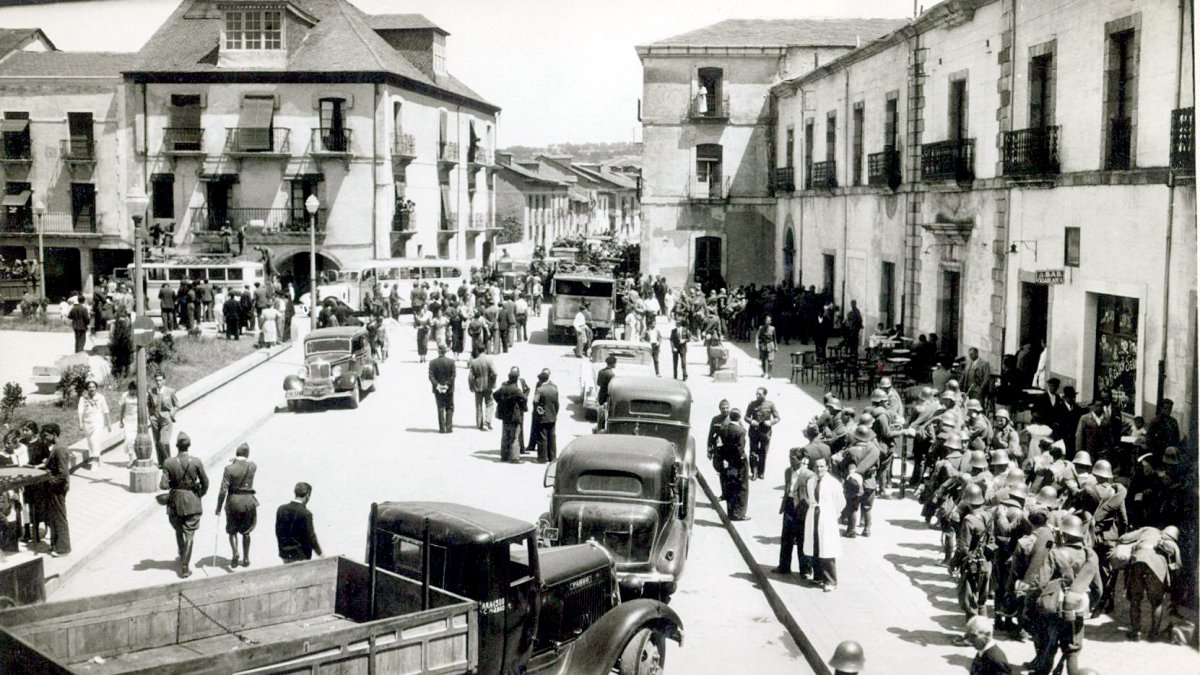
[(389, 450)]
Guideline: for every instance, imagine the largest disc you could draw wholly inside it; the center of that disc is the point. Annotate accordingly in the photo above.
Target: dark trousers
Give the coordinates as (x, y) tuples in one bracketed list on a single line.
[(679, 358), (485, 408), (80, 339), (56, 519), (824, 569), (737, 491), (973, 585), (10, 535), (654, 349), (445, 411), (792, 538), (522, 327), (169, 320), (866, 502), (759, 444), (506, 338), (510, 442), (544, 436)]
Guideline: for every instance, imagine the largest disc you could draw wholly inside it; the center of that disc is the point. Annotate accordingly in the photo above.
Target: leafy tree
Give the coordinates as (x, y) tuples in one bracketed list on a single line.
[(14, 398)]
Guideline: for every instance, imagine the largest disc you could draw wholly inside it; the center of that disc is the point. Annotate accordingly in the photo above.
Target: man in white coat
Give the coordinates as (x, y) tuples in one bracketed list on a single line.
[(822, 539)]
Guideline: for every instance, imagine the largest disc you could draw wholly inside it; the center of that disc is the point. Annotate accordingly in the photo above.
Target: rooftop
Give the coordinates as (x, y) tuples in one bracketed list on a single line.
[(403, 22), (15, 38), (66, 64), (784, 33)]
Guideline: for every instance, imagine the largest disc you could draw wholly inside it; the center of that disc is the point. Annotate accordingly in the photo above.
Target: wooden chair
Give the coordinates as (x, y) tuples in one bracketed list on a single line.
[(797, 359), (808, 365)]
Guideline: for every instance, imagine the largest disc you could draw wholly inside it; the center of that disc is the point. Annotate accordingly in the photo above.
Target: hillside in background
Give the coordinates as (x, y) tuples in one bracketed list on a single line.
[(581, 152)]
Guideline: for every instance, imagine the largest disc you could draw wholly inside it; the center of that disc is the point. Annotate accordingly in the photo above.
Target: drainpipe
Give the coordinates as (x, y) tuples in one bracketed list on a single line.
[(846, 197), (1166, 327), (375, 175)]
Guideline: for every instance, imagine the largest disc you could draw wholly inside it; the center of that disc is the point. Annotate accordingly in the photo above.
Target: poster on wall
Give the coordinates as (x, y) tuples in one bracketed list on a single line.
[(1116, 351)]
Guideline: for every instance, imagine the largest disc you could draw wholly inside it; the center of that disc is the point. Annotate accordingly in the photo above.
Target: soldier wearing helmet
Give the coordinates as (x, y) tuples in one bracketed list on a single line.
[(863, 456), (979, 429), (922, 431), (847, 658), (1074, 569), (886, 428), (1005, 436), (894, 405), (950, 419), (1104, 503), (972, 554)]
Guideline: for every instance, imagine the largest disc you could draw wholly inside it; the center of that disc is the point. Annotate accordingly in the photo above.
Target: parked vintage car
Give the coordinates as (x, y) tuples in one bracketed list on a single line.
[(337, 364), (633, 358), (628, 493)]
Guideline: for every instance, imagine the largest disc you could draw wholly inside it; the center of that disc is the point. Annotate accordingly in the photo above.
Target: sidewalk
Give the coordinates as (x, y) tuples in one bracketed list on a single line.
[(893, 596), (100, 505)]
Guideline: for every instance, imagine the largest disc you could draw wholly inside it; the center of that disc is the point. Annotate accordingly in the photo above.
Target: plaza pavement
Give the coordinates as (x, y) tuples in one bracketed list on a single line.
[(893, 596)]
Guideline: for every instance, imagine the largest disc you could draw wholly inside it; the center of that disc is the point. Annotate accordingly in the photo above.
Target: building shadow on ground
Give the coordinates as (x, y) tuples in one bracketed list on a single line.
[(148, 564), (909, 524)]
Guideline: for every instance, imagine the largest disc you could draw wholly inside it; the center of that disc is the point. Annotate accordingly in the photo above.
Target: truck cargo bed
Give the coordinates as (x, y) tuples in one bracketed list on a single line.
[(295, 618)]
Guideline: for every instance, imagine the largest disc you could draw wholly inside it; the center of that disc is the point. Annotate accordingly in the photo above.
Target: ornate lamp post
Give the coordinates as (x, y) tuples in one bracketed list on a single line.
[(39, 211), (143, 476), (311, 205)]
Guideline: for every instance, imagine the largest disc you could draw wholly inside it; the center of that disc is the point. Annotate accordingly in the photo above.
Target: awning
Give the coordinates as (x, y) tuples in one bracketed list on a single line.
[(220, 178), (578, 195), (18, 199), (14, 126), (446, 210), (257, 112)]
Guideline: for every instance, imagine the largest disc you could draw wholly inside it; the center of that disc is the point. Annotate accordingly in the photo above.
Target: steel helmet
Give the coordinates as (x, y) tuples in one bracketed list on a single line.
[(1015, 474), (866, 419), (1171, 532), (952, 442), (948, 395), (833, 404), (878, 396), (863, 433), (973, 495), (1016, 495), (1102, 469), (1071, 526), (848, 657), (1048, 496), (1082, 458), (974, 405), (999, 458), (979, 459), (1003, 413), (885, 381)]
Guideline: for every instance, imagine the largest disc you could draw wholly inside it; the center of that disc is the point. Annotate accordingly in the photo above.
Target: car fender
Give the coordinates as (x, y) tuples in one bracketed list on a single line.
[(599, 647), (345, 382), (292, 382), (675, 538)]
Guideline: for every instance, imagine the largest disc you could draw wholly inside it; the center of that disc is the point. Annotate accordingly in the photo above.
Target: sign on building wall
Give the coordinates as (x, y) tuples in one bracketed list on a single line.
[(1049, 277)]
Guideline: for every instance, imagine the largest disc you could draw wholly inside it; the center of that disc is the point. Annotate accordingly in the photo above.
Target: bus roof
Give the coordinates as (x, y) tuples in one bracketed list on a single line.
[(359, 265), (202, 260)]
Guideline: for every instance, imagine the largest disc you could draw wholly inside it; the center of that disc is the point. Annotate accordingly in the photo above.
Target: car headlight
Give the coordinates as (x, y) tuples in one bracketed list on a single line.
[(302, 373), (337, 370)]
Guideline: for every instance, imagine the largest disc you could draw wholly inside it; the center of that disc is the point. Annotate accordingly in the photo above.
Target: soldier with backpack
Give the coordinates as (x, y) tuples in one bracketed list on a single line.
[(1063, 576), (973, 554)]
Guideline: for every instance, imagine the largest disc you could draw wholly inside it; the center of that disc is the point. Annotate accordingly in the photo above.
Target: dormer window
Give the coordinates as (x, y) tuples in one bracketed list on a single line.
[(253, 29)]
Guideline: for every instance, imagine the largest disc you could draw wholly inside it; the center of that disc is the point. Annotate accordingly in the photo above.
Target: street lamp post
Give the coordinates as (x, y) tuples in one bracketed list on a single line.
[(143, 476), (311, 205), (39, 210)]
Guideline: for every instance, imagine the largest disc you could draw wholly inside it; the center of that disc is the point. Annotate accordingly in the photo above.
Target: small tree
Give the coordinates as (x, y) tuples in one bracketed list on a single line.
[(14, 398), (510, 232), (72, 382), (120, 347)]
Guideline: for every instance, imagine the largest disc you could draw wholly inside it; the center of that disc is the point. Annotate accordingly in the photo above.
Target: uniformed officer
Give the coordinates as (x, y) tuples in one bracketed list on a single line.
[(886, 428), (241, 509), (975, 537), (714, 432), (184, 476), (734, 466), (864, 454)]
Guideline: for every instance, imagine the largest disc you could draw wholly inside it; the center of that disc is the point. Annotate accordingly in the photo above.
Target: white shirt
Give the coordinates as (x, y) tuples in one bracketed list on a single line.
[(580, 320), (653, 335)]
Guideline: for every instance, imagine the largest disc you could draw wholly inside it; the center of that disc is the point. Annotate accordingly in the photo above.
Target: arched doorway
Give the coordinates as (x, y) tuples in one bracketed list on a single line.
[(294, 270), (789, 256)]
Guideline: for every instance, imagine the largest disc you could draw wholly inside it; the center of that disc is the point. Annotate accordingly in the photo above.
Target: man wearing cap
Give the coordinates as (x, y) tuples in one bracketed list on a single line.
[(977, 375), (1074, 568), (441, 379), (762, 415), (733, 466), (545, 418), (184, 476), (241, 511), (1068, 416), (979, 430), (1155, 557), (971, 553), (511, 404)]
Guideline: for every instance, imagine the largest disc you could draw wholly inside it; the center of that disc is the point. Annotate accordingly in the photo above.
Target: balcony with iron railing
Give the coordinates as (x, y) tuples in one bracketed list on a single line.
[(709, 109), (448, 224), (331, 141), (404, 147), (949, 160), (26, 222), (1120, 144), (1183, 140), (709, 189), (257, 220), (257, 142), (480, 222), (1031, 152), (824, 175), (479, 158), (16, 153), (183, 141), (77, 150), (883, 168), (448, 153), (783, 179), (404, 221)]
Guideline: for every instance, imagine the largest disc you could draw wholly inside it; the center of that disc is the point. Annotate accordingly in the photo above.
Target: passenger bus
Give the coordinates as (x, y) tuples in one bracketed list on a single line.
[(569, 291), (350, 283), (221, 273)]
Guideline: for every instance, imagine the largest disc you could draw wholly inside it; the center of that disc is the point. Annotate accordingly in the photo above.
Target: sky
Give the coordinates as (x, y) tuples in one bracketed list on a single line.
[(561, 70)]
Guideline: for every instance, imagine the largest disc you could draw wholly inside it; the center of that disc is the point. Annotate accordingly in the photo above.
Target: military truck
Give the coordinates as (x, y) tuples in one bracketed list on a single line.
[(445, 589)]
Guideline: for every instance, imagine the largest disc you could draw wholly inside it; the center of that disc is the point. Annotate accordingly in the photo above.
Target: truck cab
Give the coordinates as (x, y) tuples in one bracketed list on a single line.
[(540, 610)]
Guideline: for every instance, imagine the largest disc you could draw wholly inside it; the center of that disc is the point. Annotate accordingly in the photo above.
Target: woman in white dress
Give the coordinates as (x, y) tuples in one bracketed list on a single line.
[(268, 322), (129, 421), (93, 420)]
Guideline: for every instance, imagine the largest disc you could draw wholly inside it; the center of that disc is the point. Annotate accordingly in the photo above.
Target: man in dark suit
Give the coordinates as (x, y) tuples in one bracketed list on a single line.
[(166, 301), (794, 508), (58, 465), (733, 465), (78, 316), (1091, 432), (680, 335), (545, 417), (1068, 416), (1048, 406), (184, 476), (481, 376), (989, 658), (294, 527), (511, 403), (241, 511), (714, 431), (161, 404), (507, 321), (441, 377)]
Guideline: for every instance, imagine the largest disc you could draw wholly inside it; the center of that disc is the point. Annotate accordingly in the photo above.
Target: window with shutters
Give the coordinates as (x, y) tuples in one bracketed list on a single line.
[(1041, 91), (1120, 102), (856, 165), (162, 191), (808, 153), (958, 110)]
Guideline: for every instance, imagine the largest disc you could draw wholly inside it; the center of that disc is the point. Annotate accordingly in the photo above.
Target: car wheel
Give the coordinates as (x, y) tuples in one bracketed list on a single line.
[(355, 396), (645, 654), (292, 406)]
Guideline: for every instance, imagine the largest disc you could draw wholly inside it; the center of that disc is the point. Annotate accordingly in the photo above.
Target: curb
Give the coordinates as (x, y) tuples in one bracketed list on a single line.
[(142, 508), (782, 612), (189, 395)]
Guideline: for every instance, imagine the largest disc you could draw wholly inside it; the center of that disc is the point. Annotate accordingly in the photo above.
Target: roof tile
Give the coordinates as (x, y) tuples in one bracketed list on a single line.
[(785, 33), (66, 64)]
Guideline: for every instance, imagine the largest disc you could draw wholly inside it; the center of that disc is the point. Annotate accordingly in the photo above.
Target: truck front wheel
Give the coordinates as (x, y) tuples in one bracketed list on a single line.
[(645, 654)]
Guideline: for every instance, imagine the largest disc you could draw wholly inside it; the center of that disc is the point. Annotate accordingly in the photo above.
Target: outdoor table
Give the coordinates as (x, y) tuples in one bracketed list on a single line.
[(901, 352), (13, 477), (898, 359), (884, 341)]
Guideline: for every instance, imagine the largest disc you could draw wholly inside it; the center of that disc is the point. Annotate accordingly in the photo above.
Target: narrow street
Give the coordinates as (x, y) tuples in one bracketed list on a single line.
[(388, 449)]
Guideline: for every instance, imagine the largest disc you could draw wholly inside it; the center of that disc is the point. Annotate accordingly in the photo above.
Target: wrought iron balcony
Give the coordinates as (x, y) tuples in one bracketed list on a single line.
[(824, 175), (480, 222), (257, 220), (250, 141), (1120, 144), (404, 221), (183, 140), (331, 141), (77, 150), (448, 153), (1183, 140), (25, 222), (948, 160), (1031, 152), (404, 147), (449, 223), (883, 168), (480, 158), (710, 189), (784, 179), (709, 109)]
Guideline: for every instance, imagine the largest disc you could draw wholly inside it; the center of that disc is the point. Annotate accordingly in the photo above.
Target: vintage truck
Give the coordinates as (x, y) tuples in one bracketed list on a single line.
[(446, 589)]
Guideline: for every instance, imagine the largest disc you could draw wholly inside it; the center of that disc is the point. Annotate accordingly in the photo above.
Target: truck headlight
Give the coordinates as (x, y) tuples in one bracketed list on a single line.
[(337, 370)]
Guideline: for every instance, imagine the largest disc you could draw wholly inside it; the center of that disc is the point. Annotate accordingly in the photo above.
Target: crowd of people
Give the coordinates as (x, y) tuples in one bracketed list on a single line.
[(19, 268)]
